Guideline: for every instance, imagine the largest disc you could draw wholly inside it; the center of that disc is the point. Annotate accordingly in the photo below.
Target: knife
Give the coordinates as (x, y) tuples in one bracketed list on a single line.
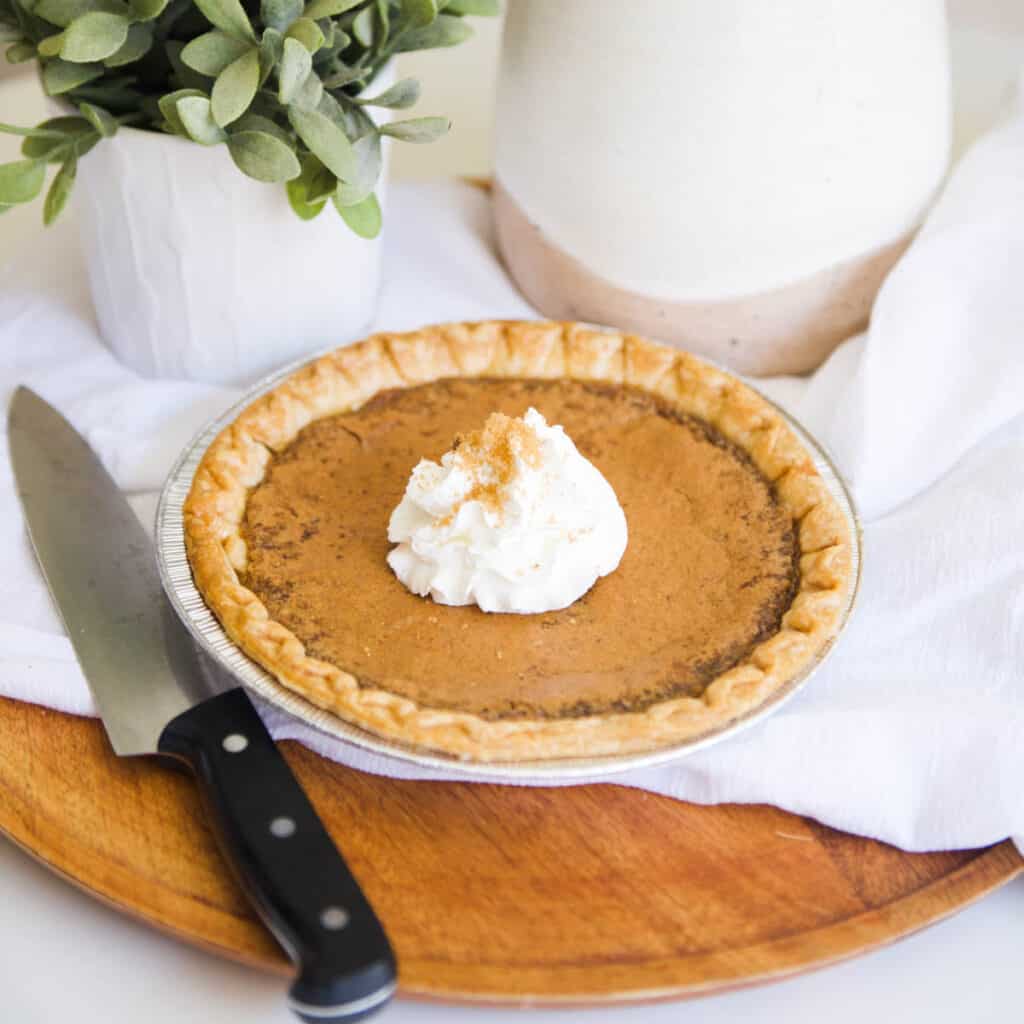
[(158, 694)]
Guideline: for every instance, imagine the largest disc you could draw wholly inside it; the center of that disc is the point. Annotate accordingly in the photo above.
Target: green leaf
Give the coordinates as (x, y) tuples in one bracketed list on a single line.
[(147, 10), (296, 64), (258, 123), (83, 143), (325, 140), (444, 30), (136, 46), (118, 93), (67, 124), (309, 94), (280, 14), (62, 133), (320, 183), (329, 8), (271, 52), (169, 108), (402, 94), (21, 180), (304, 209), (419, 12), (344, 119), (94, 36), (481, 8), (229, 16), (417, 129), (235, 88), (308, 33), (62, 12), (364, 219), (103, 121), (369, 161), (49, 47), (197, 119), (363, 27), (60, 189), (263, 156), (30, 133), (212, 52), (65, 136), (309, 192), (344, 76), (21, 52), (60, 76), (183, 77)]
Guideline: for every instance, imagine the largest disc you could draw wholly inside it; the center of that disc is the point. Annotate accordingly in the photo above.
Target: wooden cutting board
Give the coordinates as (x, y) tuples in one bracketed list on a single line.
[(592, 894)]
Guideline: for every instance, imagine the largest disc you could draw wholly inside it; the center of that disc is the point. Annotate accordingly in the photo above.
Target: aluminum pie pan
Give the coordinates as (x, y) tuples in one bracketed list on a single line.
[(211, 637)]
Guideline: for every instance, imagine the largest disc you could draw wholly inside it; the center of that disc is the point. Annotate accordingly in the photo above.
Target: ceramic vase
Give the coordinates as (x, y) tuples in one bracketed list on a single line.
[(735, 177), (200, 272)]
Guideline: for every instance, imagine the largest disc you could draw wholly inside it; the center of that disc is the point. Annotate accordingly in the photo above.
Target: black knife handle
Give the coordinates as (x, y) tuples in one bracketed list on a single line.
[(288, 865)]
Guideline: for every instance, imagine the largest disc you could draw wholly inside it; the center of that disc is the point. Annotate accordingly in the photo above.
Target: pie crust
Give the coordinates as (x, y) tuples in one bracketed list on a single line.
[(345, 379)]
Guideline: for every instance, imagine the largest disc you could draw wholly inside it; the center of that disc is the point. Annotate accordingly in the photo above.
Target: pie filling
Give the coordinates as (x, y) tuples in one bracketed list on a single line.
[(710, 569)]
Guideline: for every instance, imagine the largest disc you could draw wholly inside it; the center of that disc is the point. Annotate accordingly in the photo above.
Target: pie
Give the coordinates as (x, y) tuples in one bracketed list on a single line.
[(736, 577)]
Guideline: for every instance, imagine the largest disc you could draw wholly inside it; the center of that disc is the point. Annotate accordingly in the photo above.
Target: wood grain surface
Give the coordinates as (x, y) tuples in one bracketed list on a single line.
[(592, 894)]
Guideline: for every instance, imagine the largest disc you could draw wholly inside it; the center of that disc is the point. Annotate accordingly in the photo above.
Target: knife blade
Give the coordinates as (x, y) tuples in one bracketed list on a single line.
[(158, 694)]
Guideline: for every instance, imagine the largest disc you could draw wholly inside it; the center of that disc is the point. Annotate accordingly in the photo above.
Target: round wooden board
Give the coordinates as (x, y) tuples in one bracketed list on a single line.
[(591, 894)]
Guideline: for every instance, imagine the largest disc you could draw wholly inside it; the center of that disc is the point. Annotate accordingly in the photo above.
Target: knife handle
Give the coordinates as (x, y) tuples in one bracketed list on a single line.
[(287, 863)]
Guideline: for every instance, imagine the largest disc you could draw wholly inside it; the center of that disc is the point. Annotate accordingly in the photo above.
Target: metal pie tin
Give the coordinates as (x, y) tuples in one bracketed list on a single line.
[(210, 635)]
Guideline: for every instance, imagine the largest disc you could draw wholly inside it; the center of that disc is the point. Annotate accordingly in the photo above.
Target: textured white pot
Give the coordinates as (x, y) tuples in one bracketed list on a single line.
[(736, 176), (200, 272)]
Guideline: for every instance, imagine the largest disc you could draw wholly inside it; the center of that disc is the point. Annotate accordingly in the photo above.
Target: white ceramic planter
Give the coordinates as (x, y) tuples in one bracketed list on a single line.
[(200, 272), (735, 176)]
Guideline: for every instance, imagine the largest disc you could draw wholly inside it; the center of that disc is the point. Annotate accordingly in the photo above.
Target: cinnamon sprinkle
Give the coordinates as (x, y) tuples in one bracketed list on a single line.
[(489, 457)]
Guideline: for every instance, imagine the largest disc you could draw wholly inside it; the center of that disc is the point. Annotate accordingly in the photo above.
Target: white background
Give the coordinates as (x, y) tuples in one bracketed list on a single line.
[(64, 956)]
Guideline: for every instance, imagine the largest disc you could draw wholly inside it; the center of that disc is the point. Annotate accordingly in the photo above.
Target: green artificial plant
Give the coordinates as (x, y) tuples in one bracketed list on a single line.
[(284, 84)]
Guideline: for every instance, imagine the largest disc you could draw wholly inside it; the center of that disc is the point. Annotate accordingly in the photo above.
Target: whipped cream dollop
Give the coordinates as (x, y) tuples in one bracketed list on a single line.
[(513, 519)]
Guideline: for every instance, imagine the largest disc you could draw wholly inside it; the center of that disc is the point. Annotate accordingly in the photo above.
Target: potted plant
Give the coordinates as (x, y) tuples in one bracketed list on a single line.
[(179, 117)]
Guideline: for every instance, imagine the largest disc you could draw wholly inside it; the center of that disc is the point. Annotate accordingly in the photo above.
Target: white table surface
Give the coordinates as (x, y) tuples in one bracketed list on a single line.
[(64, 956)]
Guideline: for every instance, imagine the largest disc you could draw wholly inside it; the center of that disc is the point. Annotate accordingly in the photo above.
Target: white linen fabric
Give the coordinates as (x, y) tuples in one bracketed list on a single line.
[(914, 730)]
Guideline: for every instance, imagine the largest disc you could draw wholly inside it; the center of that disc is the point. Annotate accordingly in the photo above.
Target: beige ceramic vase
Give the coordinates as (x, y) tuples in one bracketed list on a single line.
[(735, 177)]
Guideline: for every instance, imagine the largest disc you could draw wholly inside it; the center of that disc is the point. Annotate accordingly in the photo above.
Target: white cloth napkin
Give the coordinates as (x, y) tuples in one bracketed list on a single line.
[(914, 731)]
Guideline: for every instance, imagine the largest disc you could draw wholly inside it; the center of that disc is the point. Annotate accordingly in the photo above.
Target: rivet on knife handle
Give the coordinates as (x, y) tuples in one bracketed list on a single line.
[(287, 862)]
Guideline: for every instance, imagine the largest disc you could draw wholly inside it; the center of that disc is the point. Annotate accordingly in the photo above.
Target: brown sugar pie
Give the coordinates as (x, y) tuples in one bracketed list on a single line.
[(735, 578)]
